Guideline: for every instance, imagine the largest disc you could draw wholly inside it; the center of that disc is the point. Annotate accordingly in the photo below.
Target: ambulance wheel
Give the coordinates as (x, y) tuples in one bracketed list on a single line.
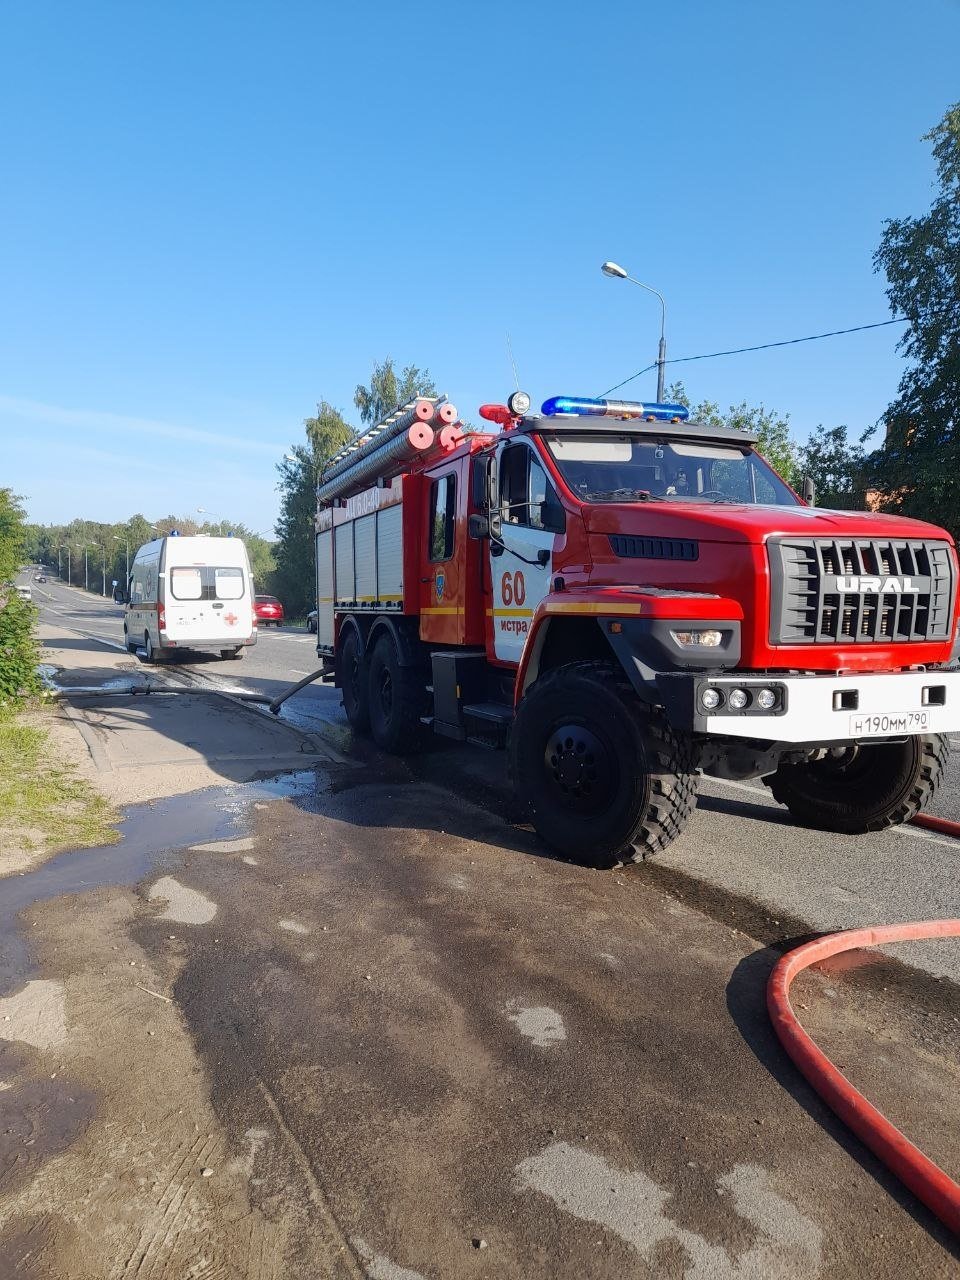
[(396, 698), (604, 777), (130, 644), (150, 654), (351, 669), (866, 786)]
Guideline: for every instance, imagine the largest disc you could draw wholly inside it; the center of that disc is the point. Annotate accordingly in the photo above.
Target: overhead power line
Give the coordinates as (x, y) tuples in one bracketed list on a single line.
[(763, 346)]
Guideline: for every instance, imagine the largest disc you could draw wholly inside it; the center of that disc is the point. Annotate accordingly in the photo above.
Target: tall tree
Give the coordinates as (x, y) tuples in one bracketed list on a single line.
[(772, 428), (837, 466), (295, 575), (387, 390), (919, 465)]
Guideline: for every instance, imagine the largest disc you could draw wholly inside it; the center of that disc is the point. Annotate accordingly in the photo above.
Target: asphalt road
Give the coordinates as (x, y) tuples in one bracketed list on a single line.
[(354, 1022), (742, 858)]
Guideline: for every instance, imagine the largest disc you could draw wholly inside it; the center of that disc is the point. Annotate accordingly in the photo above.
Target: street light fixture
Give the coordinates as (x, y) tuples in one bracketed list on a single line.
[(204, 512), (616, 272)]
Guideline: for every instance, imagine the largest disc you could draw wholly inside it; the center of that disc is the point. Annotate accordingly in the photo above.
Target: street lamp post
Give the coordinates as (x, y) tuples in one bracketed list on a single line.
[(220, 520), (60, 563), (126, 547), (69, 571), (103, 570), (616, 272)]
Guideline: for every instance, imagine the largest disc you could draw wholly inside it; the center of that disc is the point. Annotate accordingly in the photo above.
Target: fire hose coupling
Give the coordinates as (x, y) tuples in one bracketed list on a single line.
[(766, 698)]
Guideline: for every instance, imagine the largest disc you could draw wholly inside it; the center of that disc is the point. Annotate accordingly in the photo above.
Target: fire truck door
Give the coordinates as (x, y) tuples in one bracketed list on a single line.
[(521, 559), (442, 606)]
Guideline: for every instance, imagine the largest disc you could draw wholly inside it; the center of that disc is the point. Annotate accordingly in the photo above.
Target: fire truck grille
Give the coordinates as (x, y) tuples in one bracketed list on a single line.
[(860, 590)]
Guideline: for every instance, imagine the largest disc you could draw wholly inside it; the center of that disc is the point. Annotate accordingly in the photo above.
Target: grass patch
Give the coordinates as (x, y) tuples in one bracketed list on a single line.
[(44, 805)]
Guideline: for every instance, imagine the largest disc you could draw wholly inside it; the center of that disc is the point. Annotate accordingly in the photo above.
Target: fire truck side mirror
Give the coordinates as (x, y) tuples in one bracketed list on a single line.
[(808, 491), (494, 519), (478, 527)]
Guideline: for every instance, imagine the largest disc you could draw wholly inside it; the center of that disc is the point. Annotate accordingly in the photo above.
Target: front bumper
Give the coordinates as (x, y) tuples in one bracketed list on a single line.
[(814, 708)]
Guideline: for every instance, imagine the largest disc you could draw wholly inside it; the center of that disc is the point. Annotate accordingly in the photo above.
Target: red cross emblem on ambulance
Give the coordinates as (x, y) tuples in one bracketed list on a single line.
[(231, 619)]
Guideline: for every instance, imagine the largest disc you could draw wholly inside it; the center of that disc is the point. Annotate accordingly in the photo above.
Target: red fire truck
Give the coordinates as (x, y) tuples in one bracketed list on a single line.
[(626, 599)]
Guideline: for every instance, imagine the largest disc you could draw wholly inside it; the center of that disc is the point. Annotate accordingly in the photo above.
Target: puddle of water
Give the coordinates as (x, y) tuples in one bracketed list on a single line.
[(153, 837)]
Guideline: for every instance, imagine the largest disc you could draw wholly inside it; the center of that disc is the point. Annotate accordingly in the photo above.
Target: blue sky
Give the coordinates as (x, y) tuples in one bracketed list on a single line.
[(212, 215)]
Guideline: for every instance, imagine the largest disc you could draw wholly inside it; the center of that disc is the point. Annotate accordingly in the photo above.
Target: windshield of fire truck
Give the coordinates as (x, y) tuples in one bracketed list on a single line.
[(609, 468)]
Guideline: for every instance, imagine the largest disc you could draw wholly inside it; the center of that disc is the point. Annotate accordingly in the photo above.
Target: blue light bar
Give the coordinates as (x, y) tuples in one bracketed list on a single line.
[(583, 407)]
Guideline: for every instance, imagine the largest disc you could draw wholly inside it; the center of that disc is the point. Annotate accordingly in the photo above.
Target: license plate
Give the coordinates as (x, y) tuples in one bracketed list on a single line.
[(885, 724)]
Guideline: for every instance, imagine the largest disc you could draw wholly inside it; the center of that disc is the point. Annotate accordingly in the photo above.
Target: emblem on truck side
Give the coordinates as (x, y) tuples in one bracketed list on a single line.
[(854, 582), (441, 582)]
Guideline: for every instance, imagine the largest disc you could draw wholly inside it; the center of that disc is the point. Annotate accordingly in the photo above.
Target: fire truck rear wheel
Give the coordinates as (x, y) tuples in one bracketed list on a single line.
[(863, 787), (353, 682), (396, 698), (603, 776)]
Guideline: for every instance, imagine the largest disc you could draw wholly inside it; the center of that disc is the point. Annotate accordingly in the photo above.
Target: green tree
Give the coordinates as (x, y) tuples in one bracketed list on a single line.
[(295, 574), (919, 465), (18, 645), (327, 433), (771, 428), (837, 466), (387, 391)]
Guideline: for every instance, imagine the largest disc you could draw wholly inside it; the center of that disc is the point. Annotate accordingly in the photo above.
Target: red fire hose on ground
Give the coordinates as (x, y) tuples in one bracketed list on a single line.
[(926, 1180)]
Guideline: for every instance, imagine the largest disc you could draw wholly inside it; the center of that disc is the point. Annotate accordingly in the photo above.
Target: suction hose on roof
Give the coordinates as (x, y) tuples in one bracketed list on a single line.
[(926, 1180)]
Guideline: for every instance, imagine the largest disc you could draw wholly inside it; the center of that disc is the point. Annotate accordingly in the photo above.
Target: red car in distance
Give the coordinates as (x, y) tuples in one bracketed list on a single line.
[(268, 609)]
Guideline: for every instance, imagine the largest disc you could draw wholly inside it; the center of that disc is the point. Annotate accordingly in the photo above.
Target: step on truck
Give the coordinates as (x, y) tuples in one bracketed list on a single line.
[(624, 600)]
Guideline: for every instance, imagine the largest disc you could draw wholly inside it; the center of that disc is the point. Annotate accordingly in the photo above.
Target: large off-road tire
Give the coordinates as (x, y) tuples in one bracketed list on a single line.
[(352, 670), (397, 697), (865, 787), (603, 776)]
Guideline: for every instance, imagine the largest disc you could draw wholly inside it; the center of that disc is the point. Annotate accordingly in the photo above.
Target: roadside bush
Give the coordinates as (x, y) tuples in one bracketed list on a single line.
[(18, 646), (18, 650)]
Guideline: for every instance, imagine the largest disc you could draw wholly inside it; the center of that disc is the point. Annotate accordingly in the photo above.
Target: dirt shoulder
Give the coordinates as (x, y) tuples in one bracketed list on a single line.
[(68, 767), (49, 799)]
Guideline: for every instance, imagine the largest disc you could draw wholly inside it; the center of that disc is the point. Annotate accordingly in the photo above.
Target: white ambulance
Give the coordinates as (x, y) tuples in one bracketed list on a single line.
[(190, 593)]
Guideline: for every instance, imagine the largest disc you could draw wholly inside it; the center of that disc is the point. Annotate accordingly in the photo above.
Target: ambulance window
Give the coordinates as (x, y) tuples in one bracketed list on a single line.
[(228, 584), (186, 583), (443, 515)]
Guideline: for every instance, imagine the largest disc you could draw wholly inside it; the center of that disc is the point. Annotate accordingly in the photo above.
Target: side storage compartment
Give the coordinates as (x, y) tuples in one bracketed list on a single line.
[(325, 589), (390, 555), (344, 590)]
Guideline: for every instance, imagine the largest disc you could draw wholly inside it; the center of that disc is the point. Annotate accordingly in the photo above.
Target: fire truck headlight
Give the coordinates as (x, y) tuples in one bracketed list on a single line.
[(518, 403), (709, 639), (766, 699), (711, 698), (739, 698)]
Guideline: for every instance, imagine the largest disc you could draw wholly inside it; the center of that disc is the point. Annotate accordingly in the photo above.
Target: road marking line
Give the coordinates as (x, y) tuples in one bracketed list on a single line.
[(903, 830), (954, 742), (295, 672)]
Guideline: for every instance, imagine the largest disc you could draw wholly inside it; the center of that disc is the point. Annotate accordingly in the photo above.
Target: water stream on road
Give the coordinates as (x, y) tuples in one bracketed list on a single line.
[(154, 836)]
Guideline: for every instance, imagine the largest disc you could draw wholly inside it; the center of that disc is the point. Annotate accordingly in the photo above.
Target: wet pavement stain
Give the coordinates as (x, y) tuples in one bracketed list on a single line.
[(41, 1118), (154, 837)]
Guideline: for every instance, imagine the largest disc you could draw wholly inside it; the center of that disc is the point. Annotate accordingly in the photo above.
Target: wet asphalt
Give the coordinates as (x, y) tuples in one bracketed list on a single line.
[(489, 1062)]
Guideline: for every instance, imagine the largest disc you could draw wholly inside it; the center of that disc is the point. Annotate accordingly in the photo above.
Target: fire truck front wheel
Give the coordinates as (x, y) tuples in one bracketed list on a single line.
[(396, 699), (862, 787), (604, 777)]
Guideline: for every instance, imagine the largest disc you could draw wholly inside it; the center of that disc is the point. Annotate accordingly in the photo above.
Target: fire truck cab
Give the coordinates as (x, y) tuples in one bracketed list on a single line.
[(626, 599)]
